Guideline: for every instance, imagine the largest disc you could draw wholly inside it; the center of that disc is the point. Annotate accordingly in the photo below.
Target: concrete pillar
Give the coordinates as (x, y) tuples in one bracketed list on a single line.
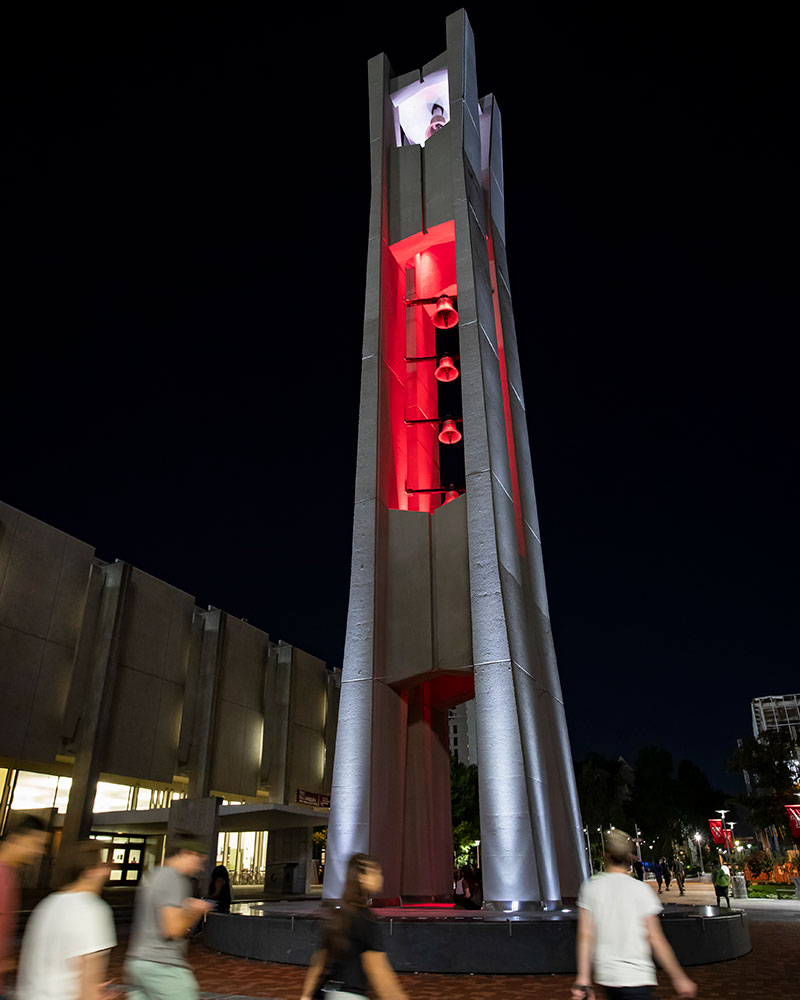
[(99, 644), (202, 755), (200, 818)]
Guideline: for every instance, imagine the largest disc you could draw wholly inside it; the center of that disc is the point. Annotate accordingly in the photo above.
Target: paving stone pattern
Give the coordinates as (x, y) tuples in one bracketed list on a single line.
[(772, 970)]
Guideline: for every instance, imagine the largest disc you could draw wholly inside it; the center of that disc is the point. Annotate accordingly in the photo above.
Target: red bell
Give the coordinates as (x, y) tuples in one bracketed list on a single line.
[(445, 314), (451, 494), (447, 371), (449, 433)]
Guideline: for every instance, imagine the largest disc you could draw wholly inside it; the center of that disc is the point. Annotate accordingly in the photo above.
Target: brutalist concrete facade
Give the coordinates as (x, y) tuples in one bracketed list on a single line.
[(447, 600), (110, 673)]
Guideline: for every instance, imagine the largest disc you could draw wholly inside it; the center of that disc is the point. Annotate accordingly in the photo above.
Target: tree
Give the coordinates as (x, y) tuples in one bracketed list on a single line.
[(771, 762), (465, 807), (604, 789)]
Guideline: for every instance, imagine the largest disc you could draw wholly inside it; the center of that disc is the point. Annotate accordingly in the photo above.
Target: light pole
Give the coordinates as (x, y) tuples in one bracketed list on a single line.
[(699, 841), (723, 813), (602, 844), (589, 849), (638, 841), (732, 853)]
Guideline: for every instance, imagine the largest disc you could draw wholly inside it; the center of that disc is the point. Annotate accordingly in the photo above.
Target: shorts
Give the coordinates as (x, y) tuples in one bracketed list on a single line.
[(157, 981)]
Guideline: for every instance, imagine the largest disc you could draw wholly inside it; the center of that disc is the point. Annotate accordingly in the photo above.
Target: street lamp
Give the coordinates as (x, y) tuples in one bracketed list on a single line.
[(589, 849), (699, 841), (723, 813), (602, 843)]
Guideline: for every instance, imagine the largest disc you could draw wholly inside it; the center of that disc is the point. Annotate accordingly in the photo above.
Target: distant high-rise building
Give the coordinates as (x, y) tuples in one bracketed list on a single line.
[(776, 713), (464, 732)]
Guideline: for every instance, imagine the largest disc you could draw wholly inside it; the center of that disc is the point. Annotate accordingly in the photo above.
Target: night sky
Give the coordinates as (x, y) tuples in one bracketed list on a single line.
[(185, 211)]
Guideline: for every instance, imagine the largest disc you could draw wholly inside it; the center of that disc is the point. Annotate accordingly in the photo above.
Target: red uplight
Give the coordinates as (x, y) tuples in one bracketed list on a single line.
[(451, 495), (447, 371), (449, 433), (445, 314)]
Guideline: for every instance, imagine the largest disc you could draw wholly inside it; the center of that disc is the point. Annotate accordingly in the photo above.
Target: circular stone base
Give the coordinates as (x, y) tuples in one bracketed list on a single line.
[(444, 939)]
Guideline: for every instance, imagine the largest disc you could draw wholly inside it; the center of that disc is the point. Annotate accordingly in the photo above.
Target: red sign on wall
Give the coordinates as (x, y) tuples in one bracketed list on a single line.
[(794, 819), (313, 799)]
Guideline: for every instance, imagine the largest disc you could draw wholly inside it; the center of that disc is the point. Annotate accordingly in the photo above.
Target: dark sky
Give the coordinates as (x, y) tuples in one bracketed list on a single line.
[(185, 208)]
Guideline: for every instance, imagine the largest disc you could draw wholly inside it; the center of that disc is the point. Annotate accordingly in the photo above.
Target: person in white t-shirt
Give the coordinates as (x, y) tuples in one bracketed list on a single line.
[(619, 931), (70, 933)]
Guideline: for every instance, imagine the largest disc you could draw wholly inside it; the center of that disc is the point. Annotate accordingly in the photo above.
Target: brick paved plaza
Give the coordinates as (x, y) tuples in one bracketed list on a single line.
[(771, 970)]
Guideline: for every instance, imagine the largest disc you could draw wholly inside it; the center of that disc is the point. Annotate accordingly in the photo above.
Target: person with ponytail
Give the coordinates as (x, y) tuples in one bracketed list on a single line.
[(352, 958)]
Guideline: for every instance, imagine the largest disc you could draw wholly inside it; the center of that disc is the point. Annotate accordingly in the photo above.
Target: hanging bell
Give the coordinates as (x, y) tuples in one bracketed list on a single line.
[(451, 494), (444, 315), (447, 371), (449, 433), (438, 120)]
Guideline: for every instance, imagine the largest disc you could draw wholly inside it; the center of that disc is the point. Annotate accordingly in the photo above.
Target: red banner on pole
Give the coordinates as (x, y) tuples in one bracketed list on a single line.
[(720, 835), (794, 819)]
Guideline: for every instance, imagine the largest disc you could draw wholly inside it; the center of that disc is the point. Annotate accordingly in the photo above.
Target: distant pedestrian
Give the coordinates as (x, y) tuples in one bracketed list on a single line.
[(722, 882), (26, 842), (665, 871), (219, 889), (156, 967), (619, 932), (659, 874), (679, 869), (353, 959), (638, 869), (466, 889), (70, 933)]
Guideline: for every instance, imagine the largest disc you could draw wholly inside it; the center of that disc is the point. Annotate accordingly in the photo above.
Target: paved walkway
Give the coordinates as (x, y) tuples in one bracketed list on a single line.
[(771, 970), (702, 894)]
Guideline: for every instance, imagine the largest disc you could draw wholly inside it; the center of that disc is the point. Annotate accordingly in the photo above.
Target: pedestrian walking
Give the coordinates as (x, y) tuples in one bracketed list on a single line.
[(659, 874), (679, 868), (722, 882), (666, 873), (352, 959), (26, 842), (65, 950), (638, 869), (619, 932), (156, 967)]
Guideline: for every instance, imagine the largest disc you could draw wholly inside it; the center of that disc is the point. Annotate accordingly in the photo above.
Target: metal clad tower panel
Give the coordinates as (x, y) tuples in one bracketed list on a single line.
[(447, 596)]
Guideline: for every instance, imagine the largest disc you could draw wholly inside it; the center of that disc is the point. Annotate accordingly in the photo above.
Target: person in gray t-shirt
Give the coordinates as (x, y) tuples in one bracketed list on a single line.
[(156, 967)]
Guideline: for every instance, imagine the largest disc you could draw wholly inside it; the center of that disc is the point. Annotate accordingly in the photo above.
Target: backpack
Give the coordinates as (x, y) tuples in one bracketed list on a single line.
[(721, 879)]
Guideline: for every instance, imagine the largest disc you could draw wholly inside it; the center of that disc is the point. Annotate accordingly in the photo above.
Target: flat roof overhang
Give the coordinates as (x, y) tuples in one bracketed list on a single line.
[(232, 819)]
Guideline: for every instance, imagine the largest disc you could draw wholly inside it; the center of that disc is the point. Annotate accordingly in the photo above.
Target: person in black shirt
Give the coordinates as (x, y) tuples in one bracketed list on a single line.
[(352, 958), (219, 889)]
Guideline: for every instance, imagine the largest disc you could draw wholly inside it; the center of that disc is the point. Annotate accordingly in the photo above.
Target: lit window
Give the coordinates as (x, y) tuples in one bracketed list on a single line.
[(111, 797)]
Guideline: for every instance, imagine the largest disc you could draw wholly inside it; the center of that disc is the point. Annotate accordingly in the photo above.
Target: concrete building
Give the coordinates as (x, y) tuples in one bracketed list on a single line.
[(447, 596), (126, 709), (463, 725)]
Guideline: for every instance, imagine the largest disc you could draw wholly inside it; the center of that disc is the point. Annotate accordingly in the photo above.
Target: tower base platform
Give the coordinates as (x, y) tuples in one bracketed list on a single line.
[(441, 938)]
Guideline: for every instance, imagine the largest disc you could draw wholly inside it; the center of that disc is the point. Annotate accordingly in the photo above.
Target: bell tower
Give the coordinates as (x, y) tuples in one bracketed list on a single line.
[(447, 592)]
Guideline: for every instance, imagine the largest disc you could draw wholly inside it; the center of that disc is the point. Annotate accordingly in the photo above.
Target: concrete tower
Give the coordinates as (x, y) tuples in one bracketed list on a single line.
[(447, 595)]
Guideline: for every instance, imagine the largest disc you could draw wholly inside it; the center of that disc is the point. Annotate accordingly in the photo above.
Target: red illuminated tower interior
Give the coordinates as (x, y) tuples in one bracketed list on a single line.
[(421, 267)]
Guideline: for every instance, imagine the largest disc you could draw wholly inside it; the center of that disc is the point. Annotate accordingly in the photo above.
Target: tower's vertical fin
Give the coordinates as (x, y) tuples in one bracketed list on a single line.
[(509, 847), (553, 735), (349, 823)]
